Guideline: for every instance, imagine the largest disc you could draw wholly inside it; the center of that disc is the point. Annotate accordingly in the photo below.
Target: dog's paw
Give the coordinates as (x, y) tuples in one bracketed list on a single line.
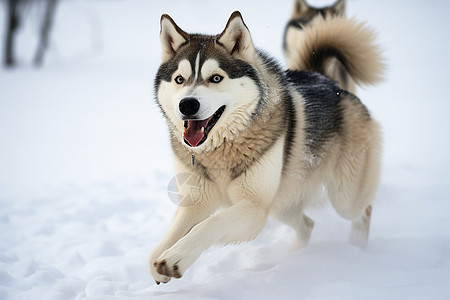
[(159, 278), (168, 270), (175, 261)]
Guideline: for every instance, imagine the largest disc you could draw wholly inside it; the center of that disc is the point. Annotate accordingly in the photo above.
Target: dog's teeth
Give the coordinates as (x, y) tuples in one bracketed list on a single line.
[(203, 129)]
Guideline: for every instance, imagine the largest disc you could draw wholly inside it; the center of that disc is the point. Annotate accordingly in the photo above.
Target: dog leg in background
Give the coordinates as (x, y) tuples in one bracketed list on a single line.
[(359, 233), (353, 184), (238, 223), (302, 224)]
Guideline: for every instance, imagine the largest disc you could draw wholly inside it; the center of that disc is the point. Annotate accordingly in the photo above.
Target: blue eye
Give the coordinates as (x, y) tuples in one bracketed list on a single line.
[(215, 78), (179, 79)]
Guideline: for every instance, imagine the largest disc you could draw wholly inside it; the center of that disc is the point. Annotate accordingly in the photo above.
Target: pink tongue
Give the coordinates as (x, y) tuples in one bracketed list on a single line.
[(193, 133)]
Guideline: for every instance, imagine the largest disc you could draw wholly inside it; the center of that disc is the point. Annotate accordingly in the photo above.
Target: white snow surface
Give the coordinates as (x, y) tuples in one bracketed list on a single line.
[(85, 162)]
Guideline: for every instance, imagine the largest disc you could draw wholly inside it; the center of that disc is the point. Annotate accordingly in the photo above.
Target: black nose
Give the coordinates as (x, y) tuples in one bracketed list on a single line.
[(189, 106)]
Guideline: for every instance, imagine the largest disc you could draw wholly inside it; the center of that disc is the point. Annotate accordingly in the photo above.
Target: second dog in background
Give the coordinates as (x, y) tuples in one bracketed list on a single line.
[(310, 30)]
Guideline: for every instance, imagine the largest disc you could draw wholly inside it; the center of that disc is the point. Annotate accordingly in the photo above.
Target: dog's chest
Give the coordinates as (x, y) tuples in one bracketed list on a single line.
[(229, 155)]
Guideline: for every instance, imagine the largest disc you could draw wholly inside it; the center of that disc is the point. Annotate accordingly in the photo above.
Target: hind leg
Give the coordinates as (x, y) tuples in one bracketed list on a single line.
[(351, 196), (351, 189), (359, 233), (302, 224), (358, 209)]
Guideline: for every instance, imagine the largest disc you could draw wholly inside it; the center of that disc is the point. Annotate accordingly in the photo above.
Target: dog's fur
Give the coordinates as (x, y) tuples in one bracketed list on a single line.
[(278, 138), (298, 45)]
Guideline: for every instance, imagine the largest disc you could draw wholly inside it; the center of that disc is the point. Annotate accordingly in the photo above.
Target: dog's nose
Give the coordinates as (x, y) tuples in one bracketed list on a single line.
[(189, 106)]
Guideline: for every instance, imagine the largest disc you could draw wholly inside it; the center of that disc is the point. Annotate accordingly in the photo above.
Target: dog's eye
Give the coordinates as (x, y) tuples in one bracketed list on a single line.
[(215, 78), (179, 79)]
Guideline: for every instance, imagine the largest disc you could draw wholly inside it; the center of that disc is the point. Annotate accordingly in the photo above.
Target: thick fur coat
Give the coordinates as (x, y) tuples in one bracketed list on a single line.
[(259, 141)]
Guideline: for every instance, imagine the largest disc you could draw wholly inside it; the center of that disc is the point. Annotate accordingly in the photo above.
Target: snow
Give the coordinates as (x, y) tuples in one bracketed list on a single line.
[(85, 163)]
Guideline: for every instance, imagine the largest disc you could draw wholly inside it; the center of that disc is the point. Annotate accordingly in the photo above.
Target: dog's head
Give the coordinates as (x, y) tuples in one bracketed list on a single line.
[(304, 13), (207, 86)]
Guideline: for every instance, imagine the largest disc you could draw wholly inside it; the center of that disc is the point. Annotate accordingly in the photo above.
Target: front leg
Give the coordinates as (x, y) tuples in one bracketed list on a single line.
[(197, 208), (184, 219), (238, 223), (252, 194)]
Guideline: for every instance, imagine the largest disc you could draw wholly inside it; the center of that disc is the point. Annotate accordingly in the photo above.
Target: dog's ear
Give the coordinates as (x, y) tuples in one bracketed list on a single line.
[(339, 7), (300, 7), (236, 38), (171, 37)]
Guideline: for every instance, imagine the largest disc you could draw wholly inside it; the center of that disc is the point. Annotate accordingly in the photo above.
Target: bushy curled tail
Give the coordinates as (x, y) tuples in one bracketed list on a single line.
[(352, 43)]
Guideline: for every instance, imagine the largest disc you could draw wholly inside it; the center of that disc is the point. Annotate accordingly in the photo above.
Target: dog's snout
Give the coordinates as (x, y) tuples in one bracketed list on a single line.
[(189, 106)]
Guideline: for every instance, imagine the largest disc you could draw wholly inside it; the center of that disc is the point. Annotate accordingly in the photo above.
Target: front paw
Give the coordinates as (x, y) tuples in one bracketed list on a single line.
[(166, 269), (175, 261), (159, 278)]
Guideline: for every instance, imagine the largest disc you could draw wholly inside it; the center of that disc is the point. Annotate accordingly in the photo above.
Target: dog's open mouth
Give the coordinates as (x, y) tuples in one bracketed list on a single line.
[(196, 131)]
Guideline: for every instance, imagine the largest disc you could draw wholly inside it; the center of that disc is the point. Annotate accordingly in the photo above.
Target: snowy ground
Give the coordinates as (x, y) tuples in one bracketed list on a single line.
[(85, 163)]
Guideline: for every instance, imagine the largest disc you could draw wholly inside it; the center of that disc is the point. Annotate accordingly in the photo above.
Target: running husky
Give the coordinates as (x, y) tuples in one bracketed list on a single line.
[(259, 141), (295, 42)]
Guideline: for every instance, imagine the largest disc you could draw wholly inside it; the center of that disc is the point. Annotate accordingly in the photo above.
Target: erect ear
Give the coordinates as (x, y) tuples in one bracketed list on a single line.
[(236, 38), (300, 7), (171, 37), (339, 7)]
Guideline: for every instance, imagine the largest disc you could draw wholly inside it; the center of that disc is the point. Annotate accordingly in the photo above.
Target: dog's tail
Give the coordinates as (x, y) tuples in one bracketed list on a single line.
[(350, 42)]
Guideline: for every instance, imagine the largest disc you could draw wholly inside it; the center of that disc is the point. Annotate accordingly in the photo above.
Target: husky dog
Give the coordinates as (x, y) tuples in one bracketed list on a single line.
[(259, 141), (304, 16)]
